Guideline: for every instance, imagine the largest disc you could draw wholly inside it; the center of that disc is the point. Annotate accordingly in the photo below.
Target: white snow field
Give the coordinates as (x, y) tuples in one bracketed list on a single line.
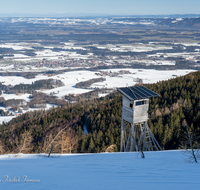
[(164, 170), (134, 48), (147, 75), (73, 77)]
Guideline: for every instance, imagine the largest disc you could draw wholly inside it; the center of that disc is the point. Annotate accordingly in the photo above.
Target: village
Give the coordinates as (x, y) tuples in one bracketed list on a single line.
[(90, 62), (49, 59)]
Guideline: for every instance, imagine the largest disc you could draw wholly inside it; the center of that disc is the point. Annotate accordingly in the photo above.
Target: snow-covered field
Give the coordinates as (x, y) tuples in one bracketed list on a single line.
[(71, 78), (14, 96), (6, 119), (147, 75), (105, 171), (16, 46), (47, 53), (134, 48)]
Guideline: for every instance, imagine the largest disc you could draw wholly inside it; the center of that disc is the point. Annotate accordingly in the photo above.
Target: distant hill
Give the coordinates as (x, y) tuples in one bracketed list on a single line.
[(172, 21), (182, 22), (63, 127)]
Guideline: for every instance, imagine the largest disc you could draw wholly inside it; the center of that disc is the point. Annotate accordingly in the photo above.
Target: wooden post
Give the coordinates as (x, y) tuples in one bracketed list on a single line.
[(122, 135), (51, 149), (62, 145)]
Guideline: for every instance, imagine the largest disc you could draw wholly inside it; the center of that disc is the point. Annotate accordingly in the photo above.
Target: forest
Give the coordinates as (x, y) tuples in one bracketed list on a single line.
[(88, 83), (30, 88), (62, 129)]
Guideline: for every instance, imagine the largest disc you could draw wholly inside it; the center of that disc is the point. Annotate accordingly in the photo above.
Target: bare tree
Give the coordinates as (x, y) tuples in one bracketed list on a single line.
[(189, 143), (24, 142), (1, 148), (63, 142), (67, 142)]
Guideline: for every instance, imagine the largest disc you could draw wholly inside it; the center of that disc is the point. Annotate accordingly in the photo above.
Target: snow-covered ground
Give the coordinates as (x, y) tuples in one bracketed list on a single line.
[(16, 46), (105, 171), (6, 119), (134, 48), (147, 75), (47, 53), (71, 78), (14, 96)]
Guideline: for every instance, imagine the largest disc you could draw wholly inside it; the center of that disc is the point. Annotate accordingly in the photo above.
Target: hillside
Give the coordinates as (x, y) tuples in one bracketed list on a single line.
[(34, 131), (159, 170)]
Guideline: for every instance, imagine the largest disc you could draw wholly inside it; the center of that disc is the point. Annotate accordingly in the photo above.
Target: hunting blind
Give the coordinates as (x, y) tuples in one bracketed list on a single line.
[(135, 132)]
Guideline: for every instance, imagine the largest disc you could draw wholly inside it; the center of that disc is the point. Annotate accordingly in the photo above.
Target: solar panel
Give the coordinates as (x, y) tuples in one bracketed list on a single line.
[(149, 91), (145, 91), (141, 94), (137, 92)]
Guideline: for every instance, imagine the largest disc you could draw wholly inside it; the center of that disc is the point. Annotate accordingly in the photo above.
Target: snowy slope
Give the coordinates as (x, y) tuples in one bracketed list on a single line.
[(159, 170)]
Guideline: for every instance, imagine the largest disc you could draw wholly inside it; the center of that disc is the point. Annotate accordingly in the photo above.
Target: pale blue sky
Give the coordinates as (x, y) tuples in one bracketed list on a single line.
[(133, 7)]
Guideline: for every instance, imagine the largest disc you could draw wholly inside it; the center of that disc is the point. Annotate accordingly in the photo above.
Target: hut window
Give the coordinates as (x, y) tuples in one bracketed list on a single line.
[(131, 105), (140, 103)]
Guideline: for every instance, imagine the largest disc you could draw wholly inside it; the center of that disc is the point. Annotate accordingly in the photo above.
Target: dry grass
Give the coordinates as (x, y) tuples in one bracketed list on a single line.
[(111, 148)]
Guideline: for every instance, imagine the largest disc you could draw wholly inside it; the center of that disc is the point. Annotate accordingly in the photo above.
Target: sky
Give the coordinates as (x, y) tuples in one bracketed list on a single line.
[(109, 7)]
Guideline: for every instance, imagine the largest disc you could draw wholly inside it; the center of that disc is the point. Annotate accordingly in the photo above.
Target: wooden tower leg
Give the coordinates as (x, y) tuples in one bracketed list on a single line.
[(154, 141), (148, 137), (144, 138), (122, 136), (140, 137), (132, 131)]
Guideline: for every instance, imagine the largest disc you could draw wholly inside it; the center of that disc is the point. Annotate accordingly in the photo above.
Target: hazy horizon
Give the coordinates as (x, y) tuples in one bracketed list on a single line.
[(103, 7), (83, 15)]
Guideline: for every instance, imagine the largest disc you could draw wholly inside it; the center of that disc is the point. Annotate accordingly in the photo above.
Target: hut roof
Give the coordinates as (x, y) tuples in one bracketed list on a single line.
[(137, 92)]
